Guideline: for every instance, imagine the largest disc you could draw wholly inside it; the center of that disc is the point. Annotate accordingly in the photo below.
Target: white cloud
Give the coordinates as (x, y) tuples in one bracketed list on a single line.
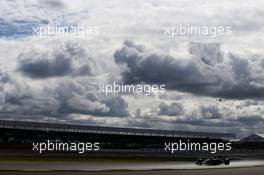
[(143, 22)]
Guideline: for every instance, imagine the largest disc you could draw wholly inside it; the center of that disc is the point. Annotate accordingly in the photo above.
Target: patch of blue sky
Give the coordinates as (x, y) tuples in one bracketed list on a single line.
[(19, 28)]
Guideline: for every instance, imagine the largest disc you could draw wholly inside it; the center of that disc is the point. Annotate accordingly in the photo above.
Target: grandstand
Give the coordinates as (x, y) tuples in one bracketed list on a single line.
[(22, 132), (70, 128)]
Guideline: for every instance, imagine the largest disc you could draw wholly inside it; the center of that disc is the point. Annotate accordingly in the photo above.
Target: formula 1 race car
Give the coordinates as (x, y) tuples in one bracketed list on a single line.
[(212, 161)]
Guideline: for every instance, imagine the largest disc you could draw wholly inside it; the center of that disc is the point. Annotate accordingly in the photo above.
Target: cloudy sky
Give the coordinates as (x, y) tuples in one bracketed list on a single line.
[(55, 78)]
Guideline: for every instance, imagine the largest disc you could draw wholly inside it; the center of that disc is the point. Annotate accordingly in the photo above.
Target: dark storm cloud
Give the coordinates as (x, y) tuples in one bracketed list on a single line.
[(205, 73), (59, 62), (247, 80), (154, 68), (209, 53), (171, 109), (64, 99), (43, 68), (74, 99), (21, 101)]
